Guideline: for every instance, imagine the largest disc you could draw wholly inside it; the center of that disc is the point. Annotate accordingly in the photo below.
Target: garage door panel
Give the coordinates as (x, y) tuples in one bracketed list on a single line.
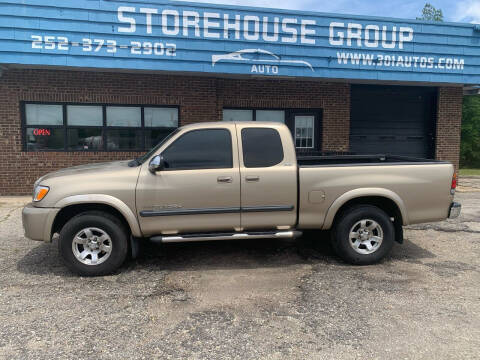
[(386, 127), (405, 147)]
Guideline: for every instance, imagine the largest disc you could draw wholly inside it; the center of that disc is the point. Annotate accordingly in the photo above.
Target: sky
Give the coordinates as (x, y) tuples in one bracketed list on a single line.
[(453, 10)]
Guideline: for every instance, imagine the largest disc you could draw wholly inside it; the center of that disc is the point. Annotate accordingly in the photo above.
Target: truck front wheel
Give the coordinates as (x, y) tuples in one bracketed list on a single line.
[(363, 235), (93, 243)]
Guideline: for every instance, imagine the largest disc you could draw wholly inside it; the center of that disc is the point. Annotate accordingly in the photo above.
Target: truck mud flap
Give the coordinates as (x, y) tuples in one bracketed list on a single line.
[(398, 232)]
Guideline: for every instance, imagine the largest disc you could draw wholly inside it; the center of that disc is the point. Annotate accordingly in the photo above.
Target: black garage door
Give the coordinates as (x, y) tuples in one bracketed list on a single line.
[(396, 120)]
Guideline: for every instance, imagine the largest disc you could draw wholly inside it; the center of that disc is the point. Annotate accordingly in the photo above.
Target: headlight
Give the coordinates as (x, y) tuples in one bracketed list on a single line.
[(40, 192)]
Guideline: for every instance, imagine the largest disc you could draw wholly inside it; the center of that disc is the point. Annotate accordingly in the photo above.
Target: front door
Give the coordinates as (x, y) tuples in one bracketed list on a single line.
[(268, 177), (306, 131), (199, 189)]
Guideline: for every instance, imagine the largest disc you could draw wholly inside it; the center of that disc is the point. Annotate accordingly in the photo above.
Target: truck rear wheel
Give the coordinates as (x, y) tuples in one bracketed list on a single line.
[(93, 243), (363, 235)]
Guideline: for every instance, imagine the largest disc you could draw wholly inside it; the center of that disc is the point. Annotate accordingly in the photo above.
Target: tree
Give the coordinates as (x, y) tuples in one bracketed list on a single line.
[(470, 144), (430, 13)]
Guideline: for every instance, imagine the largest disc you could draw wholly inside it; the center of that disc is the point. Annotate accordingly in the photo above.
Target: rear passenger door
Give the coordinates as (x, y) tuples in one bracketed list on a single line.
[(268, 177)]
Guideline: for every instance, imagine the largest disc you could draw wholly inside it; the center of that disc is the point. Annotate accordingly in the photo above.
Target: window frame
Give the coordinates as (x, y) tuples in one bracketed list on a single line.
[(314, 137), (104, 128), (202, 168)]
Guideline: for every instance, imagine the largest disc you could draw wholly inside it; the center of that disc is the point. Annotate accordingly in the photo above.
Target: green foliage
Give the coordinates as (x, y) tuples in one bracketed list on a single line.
[(430, 13), (469, 172), (470, 145)]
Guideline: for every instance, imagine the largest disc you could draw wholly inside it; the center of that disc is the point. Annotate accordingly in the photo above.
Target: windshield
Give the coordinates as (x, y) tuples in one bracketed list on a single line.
[(141, 159)]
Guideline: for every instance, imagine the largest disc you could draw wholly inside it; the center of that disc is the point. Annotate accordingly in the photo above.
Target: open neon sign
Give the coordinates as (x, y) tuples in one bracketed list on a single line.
[(41, 132)]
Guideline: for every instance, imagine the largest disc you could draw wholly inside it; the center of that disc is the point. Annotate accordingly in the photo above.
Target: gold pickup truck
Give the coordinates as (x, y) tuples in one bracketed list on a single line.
[(235, 180)]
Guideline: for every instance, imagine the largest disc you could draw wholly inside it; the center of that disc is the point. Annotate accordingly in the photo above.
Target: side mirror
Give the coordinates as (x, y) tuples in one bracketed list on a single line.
[(156, 164)]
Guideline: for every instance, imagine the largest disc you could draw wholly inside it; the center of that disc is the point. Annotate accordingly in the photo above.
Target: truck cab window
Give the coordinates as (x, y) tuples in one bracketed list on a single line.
[(200, 149), (262, 147)]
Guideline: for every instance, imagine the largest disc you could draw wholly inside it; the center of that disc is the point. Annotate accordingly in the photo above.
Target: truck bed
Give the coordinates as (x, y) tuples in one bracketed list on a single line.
[(420, 187), (376, 159)]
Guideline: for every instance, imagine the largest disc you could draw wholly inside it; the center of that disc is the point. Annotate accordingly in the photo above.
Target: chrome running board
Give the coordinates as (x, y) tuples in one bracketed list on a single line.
[(227, 236)]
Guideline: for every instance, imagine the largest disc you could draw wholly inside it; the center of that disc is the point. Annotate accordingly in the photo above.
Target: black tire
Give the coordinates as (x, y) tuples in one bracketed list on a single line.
[(341, 241), (108, 223)]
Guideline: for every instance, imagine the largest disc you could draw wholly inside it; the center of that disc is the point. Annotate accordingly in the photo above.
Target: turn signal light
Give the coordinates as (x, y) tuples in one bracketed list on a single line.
[(40, 192)]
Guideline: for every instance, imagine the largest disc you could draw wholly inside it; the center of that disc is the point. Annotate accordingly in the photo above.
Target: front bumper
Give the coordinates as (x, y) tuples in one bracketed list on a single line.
[(455, 209), (37, 222)]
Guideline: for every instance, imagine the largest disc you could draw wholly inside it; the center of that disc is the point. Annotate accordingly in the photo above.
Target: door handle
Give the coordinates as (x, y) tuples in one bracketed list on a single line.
[(252, 178), (224, 179)]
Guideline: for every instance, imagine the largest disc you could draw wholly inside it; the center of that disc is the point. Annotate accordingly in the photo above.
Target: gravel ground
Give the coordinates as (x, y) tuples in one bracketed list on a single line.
[(262, 299), (469, 184)]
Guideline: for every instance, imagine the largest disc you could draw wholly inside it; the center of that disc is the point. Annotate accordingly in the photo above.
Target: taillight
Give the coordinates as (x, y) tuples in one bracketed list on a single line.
[(454, 184)]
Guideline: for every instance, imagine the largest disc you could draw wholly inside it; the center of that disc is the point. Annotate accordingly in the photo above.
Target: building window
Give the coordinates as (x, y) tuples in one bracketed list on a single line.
[(45, 138), (304, 132), (82, 127), (84, 115), (270, 115), (44, 114), (127, 116), (253, 115), (237, 115), (85, 139)]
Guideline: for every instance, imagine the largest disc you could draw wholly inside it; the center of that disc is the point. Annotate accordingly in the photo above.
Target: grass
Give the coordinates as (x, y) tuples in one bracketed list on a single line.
[(469, 172)]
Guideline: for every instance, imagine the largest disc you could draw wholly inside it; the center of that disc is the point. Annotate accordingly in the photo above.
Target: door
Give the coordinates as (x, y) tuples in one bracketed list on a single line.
[(268, 177), (199, 188), (306, 131), (396, 120)]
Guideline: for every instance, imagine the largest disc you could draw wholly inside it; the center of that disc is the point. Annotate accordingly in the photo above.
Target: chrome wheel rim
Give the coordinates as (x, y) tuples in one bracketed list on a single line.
[(92, 246), (366, 236)]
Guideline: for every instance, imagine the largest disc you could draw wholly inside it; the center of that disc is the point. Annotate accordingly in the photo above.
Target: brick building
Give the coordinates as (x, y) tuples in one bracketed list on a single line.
[(72, 93)]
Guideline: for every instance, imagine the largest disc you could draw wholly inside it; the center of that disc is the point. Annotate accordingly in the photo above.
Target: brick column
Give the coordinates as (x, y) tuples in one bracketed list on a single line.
[(449, 121), (336, 119)]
